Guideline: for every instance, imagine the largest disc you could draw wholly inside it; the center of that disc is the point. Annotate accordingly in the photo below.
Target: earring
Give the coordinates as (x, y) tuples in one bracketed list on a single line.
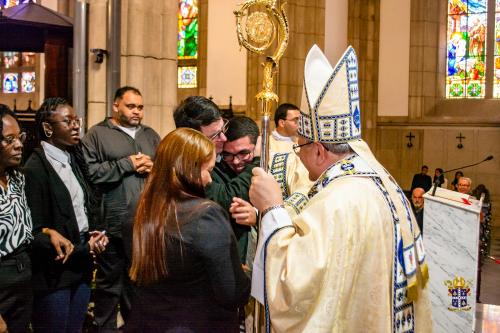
[(48, 133)]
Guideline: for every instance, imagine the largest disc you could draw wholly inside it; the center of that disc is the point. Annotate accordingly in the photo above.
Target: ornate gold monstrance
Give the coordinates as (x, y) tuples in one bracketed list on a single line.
[(258, 22)]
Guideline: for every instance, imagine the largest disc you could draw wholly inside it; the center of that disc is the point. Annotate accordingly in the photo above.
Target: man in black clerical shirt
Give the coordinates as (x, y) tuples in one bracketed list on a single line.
[(422, 180)]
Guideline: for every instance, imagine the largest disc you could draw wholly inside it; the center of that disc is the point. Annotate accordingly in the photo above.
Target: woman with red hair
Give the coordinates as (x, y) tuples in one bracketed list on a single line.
[(184, 257)]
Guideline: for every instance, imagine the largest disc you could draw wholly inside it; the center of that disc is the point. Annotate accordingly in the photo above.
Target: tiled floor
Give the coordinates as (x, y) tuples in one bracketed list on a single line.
[(488, 313)]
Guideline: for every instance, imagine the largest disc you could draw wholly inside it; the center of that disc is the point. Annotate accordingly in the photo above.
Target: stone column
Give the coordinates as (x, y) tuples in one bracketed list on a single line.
[(425, 51), (148, 58), (307, 27), (96, 80), (363, 35)]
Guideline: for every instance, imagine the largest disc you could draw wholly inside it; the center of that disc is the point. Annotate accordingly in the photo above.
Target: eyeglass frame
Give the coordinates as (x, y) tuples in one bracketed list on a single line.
[(223, 130), (244, 152), (9, 140), (68, 122), (294, 120), (296, 146)]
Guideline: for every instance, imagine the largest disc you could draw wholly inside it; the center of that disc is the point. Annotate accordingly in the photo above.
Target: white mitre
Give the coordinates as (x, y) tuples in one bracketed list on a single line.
[(330, 98)]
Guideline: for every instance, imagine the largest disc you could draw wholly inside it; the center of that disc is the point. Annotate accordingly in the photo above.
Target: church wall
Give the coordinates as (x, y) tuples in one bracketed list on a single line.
[(394, 58), (336, 22), (226, 60), (307, 26), (96, 73), (435, 121), (148, 58)]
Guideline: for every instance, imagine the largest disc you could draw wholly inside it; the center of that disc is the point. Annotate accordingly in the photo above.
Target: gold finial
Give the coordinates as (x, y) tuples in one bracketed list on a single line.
[(258, 22)]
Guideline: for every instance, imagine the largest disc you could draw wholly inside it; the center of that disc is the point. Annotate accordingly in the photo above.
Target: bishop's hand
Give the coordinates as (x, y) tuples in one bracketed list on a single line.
[(264, 191)]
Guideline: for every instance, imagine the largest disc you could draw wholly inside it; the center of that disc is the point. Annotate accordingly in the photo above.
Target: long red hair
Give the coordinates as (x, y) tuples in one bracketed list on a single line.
[(176, 175)]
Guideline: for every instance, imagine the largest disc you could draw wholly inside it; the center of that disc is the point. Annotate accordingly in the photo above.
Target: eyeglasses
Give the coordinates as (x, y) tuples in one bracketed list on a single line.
[(294, 120), (9, 140), (296, 147), (241, 155), (223, 130), (70, 122), (131, 107)]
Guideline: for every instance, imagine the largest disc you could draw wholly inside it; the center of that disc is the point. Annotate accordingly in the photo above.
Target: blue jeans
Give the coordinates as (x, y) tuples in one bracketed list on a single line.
[(62, 311)]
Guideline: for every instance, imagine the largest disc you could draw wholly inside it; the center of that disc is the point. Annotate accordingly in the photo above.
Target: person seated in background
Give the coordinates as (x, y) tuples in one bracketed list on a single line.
[(439, 176), (464, 185), (184, 258), (422, 179), (286, 120), (16, 295), (62, 207), (454, 183), (417, 200)]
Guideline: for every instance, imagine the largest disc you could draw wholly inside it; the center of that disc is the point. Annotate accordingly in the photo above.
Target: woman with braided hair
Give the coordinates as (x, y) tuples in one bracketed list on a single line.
[(61, 204)]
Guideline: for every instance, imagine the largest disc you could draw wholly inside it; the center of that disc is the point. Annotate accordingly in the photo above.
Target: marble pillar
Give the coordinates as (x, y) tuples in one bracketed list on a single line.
[(451, 236)]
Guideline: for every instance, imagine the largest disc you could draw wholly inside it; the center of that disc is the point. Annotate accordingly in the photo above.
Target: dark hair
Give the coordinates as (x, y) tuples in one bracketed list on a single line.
[(440, 170), (241, 126), (480, 189), (282, 111), (48, 107), (5, 111), (424, 167), (196, 111), (122, 90)]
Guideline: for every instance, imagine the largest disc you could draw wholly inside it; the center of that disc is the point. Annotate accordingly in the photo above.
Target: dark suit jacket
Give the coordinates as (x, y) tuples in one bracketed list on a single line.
[(205, 283), (51, 207)]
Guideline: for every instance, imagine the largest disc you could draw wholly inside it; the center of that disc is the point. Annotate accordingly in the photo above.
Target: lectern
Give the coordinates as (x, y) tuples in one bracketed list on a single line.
[(451, 240)]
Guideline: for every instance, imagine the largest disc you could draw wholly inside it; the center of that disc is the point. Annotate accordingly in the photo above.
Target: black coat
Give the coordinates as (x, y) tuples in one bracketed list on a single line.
[(51, 207), (205, 283)]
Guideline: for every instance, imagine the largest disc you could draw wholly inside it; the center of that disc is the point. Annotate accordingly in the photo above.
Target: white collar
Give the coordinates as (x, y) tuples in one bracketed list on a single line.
[(280, 137), (55, 153)]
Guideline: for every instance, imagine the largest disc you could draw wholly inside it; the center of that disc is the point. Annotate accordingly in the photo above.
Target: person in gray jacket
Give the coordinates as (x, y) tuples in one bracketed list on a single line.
[(119, 154)]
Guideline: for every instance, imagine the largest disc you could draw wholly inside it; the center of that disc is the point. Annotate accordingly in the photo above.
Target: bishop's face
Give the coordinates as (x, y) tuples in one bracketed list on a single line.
[(307, 153)]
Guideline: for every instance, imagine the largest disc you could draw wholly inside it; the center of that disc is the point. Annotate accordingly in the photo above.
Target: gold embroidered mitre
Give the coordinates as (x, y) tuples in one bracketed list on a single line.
[(331, 97)]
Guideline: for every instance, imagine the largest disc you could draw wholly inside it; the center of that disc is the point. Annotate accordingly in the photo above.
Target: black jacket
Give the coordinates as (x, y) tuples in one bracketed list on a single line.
[(51, 207), (106, 150), (205, 283)]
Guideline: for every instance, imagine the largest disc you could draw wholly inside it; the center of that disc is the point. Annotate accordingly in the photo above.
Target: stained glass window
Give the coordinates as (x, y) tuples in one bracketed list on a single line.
[(186, 76), (11, 60), (187, 37), (9, 83), (17, 72), (28, 59), (466, 48), (496, 76), (10, 3), (28, 82)]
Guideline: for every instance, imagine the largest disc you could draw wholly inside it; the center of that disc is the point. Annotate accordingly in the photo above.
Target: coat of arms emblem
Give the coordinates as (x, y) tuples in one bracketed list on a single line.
[(459, 290)]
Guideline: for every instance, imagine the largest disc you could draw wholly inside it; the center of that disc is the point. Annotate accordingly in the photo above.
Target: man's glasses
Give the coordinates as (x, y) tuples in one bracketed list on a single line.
[(223, 130), (70, 122), (296, 147), (9, 140), (241, 155)]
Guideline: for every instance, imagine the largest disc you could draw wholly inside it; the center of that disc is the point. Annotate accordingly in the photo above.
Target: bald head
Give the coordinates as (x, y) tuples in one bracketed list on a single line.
[(464, 185), (417, 197)]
